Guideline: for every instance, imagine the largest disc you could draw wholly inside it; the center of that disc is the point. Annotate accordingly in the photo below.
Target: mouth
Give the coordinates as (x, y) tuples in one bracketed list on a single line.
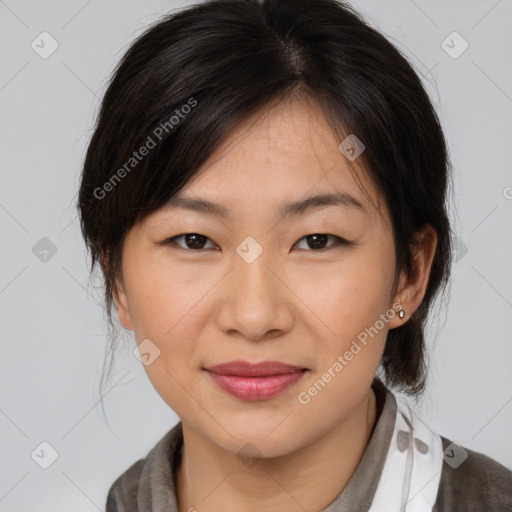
[(259, 381)]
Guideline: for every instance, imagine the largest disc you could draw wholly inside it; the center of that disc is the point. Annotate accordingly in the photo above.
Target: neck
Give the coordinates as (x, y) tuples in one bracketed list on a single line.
[(211, 479)]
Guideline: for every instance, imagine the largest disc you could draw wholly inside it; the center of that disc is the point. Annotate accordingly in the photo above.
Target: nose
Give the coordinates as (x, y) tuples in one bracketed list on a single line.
[(256, 301)]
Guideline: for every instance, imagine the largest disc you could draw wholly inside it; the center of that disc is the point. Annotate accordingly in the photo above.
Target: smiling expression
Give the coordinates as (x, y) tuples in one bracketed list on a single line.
[(231, 269)]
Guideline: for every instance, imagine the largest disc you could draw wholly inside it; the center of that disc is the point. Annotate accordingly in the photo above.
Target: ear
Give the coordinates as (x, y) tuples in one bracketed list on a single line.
[(120, 298), (411, 292), (121, 302)]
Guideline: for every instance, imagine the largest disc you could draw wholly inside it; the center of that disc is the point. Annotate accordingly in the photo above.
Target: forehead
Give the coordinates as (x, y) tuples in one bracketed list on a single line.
[(276, 159), (280, 163)]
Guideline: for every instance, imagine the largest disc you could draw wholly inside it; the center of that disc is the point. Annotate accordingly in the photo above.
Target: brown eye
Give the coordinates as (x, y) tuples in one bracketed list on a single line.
[(192, 241), (318, 241)]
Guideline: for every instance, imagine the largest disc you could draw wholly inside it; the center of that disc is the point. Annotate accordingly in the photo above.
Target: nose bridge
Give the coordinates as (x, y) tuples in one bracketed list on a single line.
[(251, 270), (252, 277), (252, 258)]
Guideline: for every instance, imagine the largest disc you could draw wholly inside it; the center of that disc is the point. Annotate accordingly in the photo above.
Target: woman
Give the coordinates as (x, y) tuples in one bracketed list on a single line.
[(265, 192)]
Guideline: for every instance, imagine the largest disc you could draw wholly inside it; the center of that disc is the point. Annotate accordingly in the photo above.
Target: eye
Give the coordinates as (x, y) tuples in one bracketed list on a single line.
[(196, 241), (191, 240), (318, 241)]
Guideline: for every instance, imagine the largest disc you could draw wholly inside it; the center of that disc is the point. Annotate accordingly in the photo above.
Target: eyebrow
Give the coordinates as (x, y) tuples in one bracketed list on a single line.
[(296, 208)]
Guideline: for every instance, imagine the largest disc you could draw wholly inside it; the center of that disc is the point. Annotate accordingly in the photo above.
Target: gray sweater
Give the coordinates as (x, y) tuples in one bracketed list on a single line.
[(479, 484)]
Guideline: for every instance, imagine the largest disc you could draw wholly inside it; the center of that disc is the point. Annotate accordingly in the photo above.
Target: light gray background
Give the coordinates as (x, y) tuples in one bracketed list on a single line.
[(52, 329)]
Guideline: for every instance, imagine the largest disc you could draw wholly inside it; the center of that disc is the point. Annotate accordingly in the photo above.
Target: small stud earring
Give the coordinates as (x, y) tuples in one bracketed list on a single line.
[(401, 313)]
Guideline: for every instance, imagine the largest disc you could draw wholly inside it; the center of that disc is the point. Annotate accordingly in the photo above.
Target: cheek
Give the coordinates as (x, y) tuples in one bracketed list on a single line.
[(348, 303), (170, 305), (166, 308), (345, 298), (164, 297)]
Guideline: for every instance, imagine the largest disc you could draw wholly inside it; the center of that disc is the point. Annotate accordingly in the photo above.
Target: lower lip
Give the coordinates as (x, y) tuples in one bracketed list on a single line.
[(256, 388)]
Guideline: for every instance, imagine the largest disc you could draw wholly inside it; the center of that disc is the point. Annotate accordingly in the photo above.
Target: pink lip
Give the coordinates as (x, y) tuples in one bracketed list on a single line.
[(255, 381)]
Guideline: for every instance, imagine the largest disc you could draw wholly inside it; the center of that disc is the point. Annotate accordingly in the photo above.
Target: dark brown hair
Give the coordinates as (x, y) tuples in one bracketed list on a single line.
[(186, 82)]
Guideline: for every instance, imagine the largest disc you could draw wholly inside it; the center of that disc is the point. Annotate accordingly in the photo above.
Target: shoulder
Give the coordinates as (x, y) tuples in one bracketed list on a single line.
[(150, 479), (122, 495), (472, 483)]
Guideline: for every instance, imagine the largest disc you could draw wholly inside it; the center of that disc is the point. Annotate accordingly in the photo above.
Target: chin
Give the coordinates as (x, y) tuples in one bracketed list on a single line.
[(259, 437)]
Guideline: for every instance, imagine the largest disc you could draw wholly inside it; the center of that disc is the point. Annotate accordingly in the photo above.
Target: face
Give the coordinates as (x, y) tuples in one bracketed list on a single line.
[(308, 286)]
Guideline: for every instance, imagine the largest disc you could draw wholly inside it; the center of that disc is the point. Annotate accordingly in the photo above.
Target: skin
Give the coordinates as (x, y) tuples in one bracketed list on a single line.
[(294, 303)]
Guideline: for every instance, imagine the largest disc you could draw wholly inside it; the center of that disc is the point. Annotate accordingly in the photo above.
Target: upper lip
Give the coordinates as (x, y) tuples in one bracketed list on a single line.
[(247, 369)]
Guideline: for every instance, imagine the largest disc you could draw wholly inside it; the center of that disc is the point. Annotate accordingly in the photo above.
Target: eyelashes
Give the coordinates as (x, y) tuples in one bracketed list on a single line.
[(314, 242), (317, 238), (196, 238)]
